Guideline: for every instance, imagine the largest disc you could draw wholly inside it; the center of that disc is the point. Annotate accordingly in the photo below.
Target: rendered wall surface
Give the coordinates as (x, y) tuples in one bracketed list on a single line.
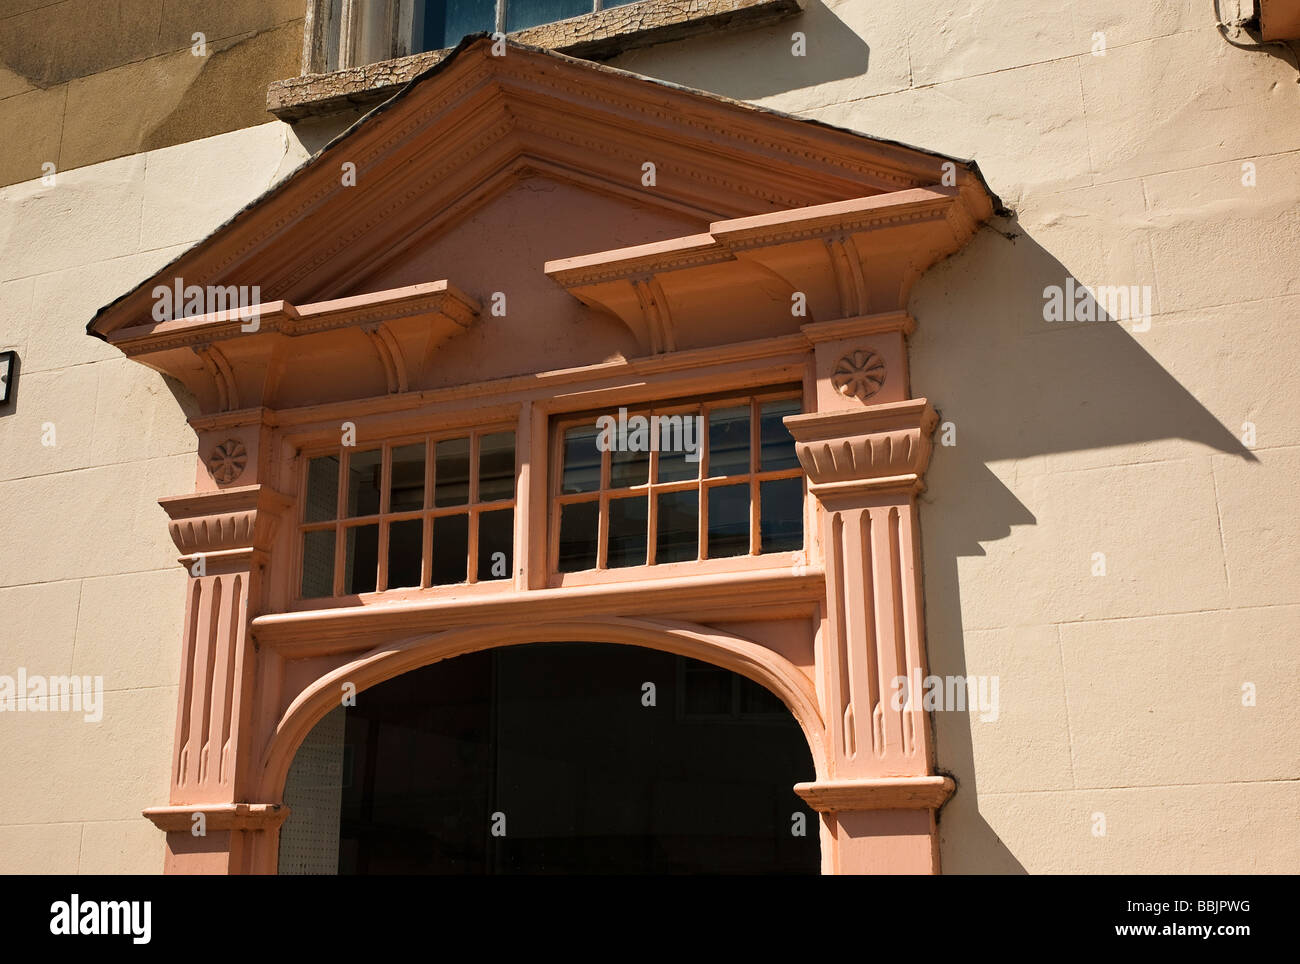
[(88, 578), (1120, 695)]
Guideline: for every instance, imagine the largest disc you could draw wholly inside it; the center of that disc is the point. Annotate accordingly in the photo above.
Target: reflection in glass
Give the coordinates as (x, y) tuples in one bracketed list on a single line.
[(729, 441), (628, 468), (406, 489), (451, 472), (361, 559), (777, 445), (405, 548), (581, 460), (496, 466), (363, 482), (728, 521), (322, 489), (780, 503), (530, 13), (450, 549), (496, 536), (681, 435), (677, 528), (627, 532), (579, 529), (318, 564)]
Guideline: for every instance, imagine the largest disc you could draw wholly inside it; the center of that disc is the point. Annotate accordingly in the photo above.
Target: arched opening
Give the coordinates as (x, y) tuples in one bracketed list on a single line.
[(554, 758)]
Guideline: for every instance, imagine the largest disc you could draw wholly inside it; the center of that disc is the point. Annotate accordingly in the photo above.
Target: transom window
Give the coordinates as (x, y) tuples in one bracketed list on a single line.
[(429, 511), (735, 490)]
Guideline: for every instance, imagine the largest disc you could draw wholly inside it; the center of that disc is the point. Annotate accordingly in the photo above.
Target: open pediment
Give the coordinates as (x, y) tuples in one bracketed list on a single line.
[(528, 211)]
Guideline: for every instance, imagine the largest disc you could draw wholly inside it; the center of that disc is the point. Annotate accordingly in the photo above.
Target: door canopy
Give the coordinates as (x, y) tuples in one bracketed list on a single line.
[(751, 223), (516, 240)]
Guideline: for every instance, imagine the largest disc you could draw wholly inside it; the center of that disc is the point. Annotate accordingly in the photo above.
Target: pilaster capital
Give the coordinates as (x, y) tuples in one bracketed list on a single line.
[(235, 520), (883, 446)]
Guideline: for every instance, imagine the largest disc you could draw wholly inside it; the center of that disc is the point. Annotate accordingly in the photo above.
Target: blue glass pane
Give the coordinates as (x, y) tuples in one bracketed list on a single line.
[(442, 23), (777, 445), (529, 13)]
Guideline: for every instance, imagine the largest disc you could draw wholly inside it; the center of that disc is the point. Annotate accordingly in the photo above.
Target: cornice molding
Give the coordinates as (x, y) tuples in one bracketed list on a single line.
[(871, 251), (430, 154)]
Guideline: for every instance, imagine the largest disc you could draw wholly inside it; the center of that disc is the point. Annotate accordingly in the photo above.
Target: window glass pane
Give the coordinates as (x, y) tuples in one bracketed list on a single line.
[(677, 529), (442, 23), (579, 529), (318, 564), (496, 466), (406, 490), (405, 548), (628, 468), (777, 445), (361, 559), (780, 505), (450, 549), (529, 13), (680, 444), (322, 489), (627, 532), (496, 536), (363, 482), (728, 521), (729, 441), (581, 460), (451, 472)]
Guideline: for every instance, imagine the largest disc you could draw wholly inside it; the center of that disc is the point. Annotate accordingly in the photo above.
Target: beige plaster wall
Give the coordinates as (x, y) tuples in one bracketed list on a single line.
[(1120, 695), (88, 578)]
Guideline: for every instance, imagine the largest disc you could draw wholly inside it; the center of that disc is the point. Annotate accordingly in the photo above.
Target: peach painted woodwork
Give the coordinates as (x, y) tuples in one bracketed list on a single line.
[(502, 260)]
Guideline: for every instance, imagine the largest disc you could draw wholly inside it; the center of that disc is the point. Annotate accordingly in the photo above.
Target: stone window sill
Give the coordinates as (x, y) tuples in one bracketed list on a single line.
[(594, 36)]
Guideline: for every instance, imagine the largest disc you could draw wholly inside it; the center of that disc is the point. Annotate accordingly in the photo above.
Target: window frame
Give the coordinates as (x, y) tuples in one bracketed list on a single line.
[(557, 425), (341, 522), (340, 34)]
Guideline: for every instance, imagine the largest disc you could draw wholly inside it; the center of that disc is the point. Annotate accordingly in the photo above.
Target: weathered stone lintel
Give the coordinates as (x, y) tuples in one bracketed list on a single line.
[(594, 36)]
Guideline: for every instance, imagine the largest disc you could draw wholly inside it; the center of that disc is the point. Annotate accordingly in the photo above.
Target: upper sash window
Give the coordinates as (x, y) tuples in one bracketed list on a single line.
[(676, 483)]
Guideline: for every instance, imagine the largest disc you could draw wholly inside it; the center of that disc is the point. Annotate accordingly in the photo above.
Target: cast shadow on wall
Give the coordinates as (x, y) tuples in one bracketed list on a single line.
[(1016, 386), (727, 63)]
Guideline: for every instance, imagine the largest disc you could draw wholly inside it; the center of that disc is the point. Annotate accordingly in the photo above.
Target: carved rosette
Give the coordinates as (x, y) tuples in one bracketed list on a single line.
[(227, 461), (859, 374)]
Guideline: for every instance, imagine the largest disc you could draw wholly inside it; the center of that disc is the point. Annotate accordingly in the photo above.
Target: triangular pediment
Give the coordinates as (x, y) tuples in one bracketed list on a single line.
[(430, 187)]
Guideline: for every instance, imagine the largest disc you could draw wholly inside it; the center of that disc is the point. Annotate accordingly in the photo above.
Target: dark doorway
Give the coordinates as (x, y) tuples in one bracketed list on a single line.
[(545, 759)]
